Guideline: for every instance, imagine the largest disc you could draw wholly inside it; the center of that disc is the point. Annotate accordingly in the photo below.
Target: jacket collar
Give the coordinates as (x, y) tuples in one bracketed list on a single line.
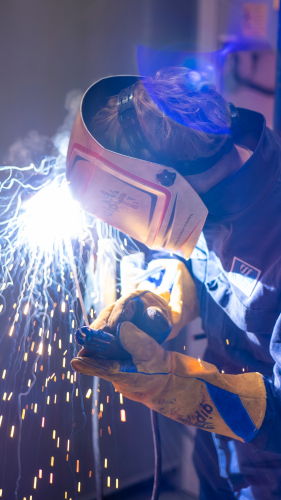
[(243, 188)]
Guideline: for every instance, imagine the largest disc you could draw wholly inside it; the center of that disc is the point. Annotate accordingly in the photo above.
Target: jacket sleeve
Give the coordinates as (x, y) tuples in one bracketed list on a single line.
[(269, 436)]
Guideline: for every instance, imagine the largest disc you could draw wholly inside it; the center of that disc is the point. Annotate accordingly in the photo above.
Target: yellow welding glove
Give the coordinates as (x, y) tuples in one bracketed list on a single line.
[(145, 309), (161, 314), (183, 388)]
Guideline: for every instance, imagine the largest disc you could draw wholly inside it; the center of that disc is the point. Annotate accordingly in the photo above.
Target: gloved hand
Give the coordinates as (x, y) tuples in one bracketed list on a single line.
[(145, 309), (183, 388), (176, 308)]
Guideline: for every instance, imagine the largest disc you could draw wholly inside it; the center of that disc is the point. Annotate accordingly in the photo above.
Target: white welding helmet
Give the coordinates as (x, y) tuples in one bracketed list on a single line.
[(150, 202)]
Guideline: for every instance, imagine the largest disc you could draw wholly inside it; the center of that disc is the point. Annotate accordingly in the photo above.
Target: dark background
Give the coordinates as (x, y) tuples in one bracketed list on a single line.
[(51, 47)]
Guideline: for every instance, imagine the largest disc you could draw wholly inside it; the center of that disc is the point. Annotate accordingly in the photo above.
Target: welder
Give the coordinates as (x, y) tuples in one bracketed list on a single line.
[(169, 162)]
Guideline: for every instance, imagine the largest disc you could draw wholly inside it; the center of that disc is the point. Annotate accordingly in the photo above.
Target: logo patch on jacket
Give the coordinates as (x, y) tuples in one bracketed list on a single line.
[(243, 276)]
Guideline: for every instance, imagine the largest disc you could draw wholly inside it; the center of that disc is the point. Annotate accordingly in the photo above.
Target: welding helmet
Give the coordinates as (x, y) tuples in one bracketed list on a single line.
[(148, 201)]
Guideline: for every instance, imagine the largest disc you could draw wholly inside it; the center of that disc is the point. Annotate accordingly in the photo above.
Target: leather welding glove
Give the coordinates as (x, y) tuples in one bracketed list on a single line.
[(185, 389), (170, 312)]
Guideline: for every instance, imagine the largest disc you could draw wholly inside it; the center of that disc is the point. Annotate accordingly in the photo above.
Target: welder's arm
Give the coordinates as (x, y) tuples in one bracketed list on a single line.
[(183, 388), (269, 435)]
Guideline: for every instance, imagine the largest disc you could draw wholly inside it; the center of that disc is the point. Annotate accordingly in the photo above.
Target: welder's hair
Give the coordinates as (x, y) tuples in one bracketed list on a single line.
[(179, 120)]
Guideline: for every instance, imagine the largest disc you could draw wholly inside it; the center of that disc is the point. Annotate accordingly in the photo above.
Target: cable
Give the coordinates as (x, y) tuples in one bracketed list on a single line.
[(96, 442), (95, 420), (157, 455)]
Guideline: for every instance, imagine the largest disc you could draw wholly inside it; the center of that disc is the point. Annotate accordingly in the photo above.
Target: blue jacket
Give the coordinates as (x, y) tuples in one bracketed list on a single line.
[(236, 266)]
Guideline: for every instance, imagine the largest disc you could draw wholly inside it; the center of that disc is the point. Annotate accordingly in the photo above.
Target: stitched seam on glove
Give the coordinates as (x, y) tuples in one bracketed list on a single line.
[(137, 296), (116, 373), (159, 373)]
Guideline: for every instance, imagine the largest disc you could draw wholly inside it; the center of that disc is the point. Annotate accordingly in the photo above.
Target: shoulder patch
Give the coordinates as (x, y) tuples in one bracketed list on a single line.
[(243, 276)]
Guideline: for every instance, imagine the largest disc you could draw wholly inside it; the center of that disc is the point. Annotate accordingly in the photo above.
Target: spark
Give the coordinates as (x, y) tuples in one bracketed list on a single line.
[(46, 240), (89, 392)]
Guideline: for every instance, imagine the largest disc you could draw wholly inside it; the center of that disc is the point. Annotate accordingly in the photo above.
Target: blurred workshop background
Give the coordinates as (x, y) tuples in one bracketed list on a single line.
[(51, 48)]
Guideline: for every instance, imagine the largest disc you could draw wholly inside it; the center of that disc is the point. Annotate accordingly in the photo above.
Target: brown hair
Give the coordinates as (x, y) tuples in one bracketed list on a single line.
[(179, 120)]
